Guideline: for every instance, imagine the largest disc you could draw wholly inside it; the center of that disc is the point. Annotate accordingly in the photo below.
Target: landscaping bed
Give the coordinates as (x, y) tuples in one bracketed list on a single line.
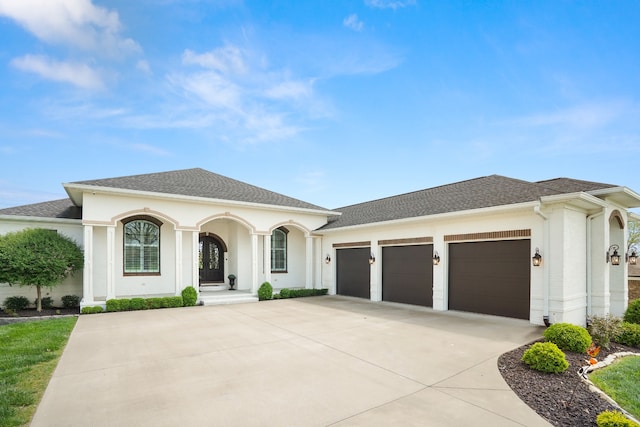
[(562, 399)]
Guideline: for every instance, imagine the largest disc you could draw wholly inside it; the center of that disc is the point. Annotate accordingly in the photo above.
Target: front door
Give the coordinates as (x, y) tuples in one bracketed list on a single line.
[(211, 260)]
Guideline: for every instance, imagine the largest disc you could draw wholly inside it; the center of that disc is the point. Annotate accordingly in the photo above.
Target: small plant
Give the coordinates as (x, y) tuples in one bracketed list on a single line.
[(125, 304), (71, 301), (545, 357), (614, 419), (189, 296), (137, 304), (113, 305), (603, 329), (265, 291), (568, 337), (285, 293), (16, 303), (91, 310), (632, 315), (47, 302), (629, 334)]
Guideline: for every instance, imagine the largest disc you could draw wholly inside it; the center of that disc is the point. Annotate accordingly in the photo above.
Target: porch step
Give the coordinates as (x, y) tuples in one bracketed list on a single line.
[(228, 297)]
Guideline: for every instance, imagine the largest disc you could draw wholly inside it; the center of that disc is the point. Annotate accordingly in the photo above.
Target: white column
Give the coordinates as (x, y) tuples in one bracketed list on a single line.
[(308, 280), (254, 263), (267, 257), (376, 274), (178, 247), (87, 274), (195, 278), (111, 253), (318, 257)]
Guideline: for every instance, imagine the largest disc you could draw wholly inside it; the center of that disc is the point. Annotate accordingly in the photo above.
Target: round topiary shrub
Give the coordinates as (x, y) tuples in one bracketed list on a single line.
[(265, 291), (632, 315), (545, 357), (568, 337), (614, 419), (71, 301), (189, 296), (629, 334), (16, 303)]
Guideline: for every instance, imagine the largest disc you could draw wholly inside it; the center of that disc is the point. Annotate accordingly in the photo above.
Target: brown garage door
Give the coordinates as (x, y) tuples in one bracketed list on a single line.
[(353, 272), (407, 274), (490, 277)]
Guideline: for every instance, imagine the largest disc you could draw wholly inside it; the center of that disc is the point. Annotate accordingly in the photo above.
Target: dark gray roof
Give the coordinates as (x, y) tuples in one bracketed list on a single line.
[(485, 192), (200, 183), (63, 208)]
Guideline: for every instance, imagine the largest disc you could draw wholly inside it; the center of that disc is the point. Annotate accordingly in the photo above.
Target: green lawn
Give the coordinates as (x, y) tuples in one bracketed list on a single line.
[(621, 381), (29, 353)]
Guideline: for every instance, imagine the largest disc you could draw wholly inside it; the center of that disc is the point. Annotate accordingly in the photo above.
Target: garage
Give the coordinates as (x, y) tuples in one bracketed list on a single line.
[(490, 277), (407, 274), (353, 272)]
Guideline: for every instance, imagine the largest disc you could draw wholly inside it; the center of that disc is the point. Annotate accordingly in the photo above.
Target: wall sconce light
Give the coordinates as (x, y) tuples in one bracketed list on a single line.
[(436, 258), (613, 257), (372, 258), (327, 259), (633, 258), (537, 258)]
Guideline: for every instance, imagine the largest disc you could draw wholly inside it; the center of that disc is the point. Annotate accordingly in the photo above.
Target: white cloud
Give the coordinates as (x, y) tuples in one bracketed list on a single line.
[(581, 116), (353, 22), (212, 88), (77, 23), (227, 59), (143, 66), (389, 4), (77, 74), (290, 89)]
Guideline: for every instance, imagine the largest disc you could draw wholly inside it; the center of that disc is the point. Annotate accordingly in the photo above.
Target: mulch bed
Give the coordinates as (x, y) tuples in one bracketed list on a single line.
[(562, 399), (31, 312)]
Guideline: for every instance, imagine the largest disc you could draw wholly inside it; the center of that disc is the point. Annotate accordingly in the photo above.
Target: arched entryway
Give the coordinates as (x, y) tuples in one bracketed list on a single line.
[(211, 251)]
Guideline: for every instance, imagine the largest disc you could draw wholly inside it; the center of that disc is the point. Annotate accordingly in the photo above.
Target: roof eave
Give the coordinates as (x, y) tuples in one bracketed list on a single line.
[(580, 200), (481, 211), (621, 195), (26, 218), (76, 191)]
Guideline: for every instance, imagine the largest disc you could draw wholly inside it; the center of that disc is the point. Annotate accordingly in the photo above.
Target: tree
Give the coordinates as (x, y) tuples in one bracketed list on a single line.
[(634, 235), (38, 257)]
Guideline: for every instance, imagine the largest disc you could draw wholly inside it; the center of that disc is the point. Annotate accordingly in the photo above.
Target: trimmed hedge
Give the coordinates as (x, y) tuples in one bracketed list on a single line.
[(568, 337), (92, 310), (189, 296), (47, 302), (614, 419), (632, 314), (265, 291), (16, 303), (545, 357), (125, 304), (629, 334), (299, 293), (71, 301)]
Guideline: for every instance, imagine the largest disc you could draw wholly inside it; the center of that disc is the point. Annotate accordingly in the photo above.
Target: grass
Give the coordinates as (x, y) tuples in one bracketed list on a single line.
[(29, 353), (621, 381)]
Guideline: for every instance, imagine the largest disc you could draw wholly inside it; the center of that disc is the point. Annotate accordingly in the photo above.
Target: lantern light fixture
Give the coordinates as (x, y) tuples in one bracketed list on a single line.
[(632, 258), (614, 256), (537, 258), (436, 258), (327, 259), (372, 258)]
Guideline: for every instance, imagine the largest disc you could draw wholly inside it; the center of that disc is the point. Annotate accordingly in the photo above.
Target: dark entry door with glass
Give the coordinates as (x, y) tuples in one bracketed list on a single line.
[(211, 260)]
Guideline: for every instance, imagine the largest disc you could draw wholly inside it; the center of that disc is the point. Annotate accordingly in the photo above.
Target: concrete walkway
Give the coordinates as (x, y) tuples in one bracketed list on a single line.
[(321, 361)]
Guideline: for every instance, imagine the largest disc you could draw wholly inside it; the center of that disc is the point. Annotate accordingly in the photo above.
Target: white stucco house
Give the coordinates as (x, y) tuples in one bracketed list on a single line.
[(539, 251)]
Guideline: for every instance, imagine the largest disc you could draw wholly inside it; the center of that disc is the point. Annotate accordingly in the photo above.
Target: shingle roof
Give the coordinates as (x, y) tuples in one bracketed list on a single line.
[(200, 183), (484, 192), (63, 208)]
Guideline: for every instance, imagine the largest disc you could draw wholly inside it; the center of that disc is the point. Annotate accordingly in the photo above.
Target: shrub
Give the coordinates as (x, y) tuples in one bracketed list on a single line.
[(47, 302), (629, 334), (175, 301), (125, 304), (137, 304), (285, 293), (632, 315), (265, 291), (16, 303), (189, 296), (545, 357), (614, 419), (568, 337), (70, 301), (603, 329), (91, 310), (113, 305)]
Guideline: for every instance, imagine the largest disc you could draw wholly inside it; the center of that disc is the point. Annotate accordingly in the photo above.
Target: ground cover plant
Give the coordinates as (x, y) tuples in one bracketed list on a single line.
[(621, 381), (29, 353)]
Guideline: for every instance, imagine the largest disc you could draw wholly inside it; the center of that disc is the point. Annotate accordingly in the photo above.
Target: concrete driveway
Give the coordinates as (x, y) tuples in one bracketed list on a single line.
[(321, 361)]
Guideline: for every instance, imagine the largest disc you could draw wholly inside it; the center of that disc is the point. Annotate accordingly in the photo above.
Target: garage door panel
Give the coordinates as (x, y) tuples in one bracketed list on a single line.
[(353, 272), (490, 277), (407, 274)]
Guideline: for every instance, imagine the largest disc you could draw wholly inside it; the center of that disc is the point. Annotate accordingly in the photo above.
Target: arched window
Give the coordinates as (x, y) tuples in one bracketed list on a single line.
[(141, 245), (279, 250)]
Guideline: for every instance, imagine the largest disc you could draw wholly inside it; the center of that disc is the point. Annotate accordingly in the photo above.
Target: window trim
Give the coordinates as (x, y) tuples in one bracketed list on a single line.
[(284, 231), (158, 224)]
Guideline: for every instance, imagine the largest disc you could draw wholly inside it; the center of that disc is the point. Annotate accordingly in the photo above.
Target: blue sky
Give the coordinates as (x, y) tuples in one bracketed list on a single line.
[(333, 103)]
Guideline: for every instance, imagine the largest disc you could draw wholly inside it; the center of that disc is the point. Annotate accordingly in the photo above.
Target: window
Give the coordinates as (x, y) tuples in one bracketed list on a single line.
[(279, 250), (142, 245)]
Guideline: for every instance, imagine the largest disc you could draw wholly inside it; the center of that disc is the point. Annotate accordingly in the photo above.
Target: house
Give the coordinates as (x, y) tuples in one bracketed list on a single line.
[(540, 251)]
